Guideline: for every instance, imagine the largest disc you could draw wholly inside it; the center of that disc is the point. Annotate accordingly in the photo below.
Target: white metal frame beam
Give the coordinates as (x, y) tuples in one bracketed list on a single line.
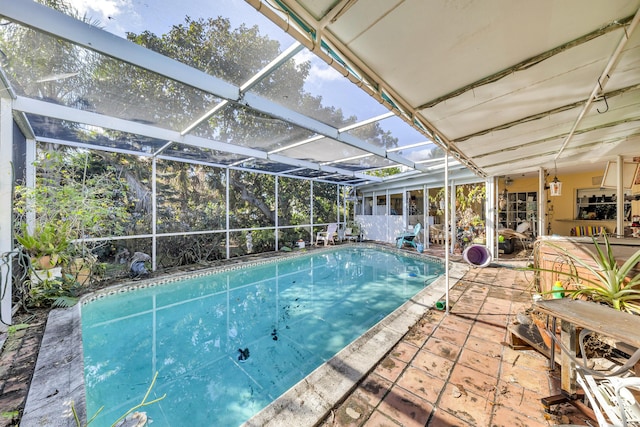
[(6, 196), (33, 106), (68, 28), (356, 70)]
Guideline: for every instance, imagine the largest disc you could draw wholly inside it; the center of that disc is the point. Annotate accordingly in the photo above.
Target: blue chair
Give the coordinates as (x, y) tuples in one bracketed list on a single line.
[(408, 237)]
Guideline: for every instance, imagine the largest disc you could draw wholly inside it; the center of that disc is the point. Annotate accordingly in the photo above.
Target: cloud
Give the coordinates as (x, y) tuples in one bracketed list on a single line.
[(109, 13), (101, 10), (320, 73)]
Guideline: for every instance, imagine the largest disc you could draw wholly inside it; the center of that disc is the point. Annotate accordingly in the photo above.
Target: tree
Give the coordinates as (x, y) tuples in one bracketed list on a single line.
[(190, 197)]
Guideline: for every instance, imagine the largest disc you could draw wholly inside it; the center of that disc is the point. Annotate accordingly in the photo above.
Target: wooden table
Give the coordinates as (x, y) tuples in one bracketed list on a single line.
[(623, 327)]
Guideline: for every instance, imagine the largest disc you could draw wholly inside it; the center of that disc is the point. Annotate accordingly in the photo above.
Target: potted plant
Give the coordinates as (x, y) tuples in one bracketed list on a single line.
[(599, 277), (46, 245)]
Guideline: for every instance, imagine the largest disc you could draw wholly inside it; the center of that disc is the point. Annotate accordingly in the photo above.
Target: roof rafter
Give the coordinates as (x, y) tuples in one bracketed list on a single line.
[(528, 63)]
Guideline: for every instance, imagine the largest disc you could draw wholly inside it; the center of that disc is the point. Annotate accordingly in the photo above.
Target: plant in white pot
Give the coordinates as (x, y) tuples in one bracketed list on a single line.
[(47, 247)]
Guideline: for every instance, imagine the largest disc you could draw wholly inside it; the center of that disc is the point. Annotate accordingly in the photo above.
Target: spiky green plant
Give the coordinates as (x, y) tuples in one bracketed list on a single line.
[(611, 284)]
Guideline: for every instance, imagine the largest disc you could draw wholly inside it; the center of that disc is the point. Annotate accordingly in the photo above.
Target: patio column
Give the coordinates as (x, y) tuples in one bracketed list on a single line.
[(490, 215), (620, 197), (425, 215), (453, 219), (6, 235), (542, 204), (446, 230)]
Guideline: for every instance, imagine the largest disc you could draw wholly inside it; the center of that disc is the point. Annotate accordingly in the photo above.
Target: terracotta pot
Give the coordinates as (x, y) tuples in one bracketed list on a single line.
[(80, 268), (46, 262)]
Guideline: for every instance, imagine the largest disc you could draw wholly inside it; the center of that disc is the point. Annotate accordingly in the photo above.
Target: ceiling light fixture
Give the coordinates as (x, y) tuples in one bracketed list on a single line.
[(555, 186)]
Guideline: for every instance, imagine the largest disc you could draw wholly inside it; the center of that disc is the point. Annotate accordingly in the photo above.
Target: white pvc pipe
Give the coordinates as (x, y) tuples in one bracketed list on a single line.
[(446, 231), (602, 80)]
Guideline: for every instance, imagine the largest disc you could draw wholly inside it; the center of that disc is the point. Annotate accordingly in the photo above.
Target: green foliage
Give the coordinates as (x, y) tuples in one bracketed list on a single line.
[(75, 194), (612, 284), (64, 302), (469, 198), (9, 414), (12, 329), (46, 239), (381, 173), (57, 292), (101, 194)]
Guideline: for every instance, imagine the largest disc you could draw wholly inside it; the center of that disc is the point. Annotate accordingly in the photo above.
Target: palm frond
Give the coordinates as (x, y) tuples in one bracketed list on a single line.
[(64, 302)]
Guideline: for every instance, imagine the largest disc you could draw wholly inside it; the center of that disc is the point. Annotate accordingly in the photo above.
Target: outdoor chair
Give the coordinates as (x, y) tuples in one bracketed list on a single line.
[(349, 236), (607, 392), (611, 399), (327, 236), (437, 234), (508, 237), (408, 237)]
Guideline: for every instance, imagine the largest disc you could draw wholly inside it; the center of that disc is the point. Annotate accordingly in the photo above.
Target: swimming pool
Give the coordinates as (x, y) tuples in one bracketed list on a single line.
[(226, 344)]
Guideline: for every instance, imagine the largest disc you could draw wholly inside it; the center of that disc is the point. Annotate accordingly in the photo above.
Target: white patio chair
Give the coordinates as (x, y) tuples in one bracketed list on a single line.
[(613, 404), (327, 236)]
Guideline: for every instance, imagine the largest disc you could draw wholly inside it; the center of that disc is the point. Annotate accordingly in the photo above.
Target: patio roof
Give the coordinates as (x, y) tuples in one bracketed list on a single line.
[(505, 88), (509, 86)]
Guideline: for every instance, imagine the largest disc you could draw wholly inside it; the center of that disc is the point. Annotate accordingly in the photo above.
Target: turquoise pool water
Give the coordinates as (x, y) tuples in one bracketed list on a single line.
[(227, 344)]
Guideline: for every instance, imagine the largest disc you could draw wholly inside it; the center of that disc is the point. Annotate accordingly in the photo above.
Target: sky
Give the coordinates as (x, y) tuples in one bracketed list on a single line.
[(157, 16)]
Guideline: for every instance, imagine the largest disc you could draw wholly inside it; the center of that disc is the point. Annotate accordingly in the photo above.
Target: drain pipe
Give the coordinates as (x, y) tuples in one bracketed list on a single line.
[(602, 80)]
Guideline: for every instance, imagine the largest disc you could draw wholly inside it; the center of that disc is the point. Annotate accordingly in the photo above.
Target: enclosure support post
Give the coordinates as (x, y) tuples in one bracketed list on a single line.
[(154, 213), (405, 210), (30, 182), (311, 236), (227, 219), (389, 236), (6, 233), (453, 220), (338, 204), (277, 209)]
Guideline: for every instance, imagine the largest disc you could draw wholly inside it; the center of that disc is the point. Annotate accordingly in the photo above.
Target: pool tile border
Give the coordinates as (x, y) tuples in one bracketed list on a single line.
[(238, 265)]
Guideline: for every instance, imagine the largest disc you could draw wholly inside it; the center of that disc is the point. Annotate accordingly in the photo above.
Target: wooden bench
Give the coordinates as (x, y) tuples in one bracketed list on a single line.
[(620, 326)]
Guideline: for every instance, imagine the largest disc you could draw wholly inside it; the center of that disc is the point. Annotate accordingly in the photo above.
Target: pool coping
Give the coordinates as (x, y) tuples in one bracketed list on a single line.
[(58, 380)]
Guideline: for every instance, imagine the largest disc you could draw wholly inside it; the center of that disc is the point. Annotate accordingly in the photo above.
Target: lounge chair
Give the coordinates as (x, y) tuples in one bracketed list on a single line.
[(408, 237), (327, 236)]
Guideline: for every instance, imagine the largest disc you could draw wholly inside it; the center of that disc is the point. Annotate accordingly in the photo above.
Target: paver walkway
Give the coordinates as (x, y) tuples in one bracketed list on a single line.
[(456, 369)]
